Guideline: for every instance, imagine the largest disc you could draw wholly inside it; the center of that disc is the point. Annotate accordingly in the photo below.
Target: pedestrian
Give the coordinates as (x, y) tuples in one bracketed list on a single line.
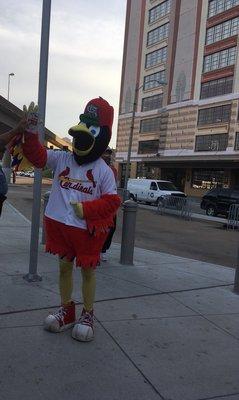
[(80, 210), (107, 157), (5, 138)]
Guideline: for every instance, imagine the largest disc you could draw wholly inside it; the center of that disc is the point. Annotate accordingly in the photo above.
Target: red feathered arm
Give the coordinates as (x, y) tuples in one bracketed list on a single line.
[(101, 208), (34, 151), (99, 214)]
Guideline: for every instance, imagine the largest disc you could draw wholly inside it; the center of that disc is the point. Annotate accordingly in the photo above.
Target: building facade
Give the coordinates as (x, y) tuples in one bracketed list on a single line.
[(186, 130)]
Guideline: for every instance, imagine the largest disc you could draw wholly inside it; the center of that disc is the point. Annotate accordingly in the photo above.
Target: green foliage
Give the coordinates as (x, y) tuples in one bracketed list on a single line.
[(47, 173)]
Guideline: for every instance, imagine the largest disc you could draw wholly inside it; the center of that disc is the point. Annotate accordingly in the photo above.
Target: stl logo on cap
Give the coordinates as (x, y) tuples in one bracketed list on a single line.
[(92, 110), (99, 112)]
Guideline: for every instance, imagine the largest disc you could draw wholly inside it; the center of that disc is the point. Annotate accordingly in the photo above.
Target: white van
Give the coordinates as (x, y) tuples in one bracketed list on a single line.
[(151, 190)]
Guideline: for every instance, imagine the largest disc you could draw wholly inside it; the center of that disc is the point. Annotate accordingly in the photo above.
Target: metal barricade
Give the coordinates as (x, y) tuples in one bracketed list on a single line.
[(233, 217), (180, 206)]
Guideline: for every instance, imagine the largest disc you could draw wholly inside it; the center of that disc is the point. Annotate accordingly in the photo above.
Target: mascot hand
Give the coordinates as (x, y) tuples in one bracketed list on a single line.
[(32, 117), (78, 208)]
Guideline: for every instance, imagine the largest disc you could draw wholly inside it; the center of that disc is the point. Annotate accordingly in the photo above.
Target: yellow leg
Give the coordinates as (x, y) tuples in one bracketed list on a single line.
[(65, 281), (88, 287)]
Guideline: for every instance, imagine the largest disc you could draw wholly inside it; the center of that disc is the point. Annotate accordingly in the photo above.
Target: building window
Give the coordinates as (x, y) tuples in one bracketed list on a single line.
[(154, 80), (222, 31), (213, 115), (159, 11), (217, 87), (208, 179), (150, 125), (148, 170), (148, 147), (217, 142), (237, 141), (217, 6), (156, 57), (158, 34), (152, 102), (220, 59)]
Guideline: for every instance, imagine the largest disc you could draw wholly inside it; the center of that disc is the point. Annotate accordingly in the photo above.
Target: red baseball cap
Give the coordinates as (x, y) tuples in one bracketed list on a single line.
[(99, 112)]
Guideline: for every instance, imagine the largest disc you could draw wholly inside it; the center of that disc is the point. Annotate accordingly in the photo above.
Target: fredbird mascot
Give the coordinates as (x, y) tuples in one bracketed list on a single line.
[(80, 211)]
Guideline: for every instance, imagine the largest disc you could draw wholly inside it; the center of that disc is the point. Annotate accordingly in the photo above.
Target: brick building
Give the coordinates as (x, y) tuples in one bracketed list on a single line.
[(186, 131)]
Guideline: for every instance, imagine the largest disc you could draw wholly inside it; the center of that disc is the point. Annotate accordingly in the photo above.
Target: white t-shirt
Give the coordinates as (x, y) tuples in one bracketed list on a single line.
[(73, 182)]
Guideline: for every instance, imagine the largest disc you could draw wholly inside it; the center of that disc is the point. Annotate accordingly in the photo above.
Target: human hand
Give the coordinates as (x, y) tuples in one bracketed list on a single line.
[(22, 125), (78, 209), (31, 116)]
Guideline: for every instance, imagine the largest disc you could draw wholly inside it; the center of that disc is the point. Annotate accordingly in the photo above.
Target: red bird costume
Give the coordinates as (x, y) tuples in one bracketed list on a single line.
[(80, 211)]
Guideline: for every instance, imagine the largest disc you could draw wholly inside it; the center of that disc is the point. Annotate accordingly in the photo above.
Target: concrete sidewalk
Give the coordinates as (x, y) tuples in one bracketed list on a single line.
[(166, 328)]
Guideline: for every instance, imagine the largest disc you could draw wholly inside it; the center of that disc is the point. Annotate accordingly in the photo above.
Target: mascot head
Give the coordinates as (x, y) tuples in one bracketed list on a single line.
[(93, 133)]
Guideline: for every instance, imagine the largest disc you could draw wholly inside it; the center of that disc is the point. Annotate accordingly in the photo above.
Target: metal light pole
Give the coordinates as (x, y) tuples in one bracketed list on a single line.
[(6, 162), (7, 154), (8, 86), (32, 275), (137, 88)]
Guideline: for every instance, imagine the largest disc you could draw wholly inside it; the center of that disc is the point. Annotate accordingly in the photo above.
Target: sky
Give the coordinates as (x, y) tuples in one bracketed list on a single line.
[(85, 56)]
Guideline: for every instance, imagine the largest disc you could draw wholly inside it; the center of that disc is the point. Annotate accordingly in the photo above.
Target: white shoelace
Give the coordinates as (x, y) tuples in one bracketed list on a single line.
[(60, 315), (86, 319)]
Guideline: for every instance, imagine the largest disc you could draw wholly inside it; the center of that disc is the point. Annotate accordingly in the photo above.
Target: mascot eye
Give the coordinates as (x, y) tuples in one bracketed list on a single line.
[(95, 130)]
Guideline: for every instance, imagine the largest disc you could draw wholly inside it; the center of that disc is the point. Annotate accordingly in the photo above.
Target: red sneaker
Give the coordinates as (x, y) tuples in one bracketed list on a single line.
[(84, 329), (62, 320)]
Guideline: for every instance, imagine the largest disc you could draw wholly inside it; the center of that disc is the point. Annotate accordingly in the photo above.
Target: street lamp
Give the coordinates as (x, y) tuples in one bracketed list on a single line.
[(8, 86), (137, 88), (6, 162)]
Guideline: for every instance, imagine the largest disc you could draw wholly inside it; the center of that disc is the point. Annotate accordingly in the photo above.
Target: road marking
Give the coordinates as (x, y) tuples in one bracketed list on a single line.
[(18, 212), (24, 218)]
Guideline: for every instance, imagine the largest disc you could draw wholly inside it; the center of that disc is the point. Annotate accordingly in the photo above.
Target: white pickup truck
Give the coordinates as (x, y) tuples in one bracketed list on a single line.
[(151, 190)]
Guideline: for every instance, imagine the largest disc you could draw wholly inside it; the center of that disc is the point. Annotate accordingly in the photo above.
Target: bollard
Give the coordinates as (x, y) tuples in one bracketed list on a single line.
[(45, 201), (128, 232), (236, 278)]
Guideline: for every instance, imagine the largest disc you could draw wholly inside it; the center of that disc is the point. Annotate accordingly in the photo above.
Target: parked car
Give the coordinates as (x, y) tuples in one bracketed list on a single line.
[(151, 191), (29, 174), (218, 200)]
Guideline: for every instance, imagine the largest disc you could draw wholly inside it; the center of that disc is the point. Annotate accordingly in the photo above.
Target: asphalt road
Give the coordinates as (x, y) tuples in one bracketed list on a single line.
[(205, 241)]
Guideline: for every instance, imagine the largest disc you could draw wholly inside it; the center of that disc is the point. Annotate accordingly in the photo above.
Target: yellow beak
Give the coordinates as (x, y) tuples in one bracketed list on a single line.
[(78, 130)]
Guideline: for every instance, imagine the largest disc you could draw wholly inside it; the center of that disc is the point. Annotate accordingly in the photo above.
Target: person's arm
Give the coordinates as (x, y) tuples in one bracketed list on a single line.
[(6, 137)]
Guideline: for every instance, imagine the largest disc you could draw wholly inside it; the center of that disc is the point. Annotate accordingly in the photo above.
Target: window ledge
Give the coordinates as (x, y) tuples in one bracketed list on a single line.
[(149, 46), (158, 65), (160, 20), (148, 133), (214, 126)]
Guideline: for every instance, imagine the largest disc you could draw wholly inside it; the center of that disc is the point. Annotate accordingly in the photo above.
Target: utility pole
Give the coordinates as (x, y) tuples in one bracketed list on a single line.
[(8, 85), (32, 275), (6, 162)]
